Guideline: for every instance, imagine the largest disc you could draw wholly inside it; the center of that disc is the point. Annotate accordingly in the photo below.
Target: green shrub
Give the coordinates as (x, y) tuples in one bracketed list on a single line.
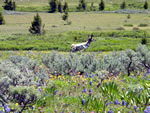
[(143, 25), (128, 25)]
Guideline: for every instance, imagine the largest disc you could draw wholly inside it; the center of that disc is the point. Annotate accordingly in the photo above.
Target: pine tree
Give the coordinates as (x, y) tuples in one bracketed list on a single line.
[(2, 21), (146, 5), (53, 5), (92, 8), (123, 5), (59, 7), (36, 27), (82, 5), (65, 7), (9, 5), (65, 16), (144, 39), (101, 5)]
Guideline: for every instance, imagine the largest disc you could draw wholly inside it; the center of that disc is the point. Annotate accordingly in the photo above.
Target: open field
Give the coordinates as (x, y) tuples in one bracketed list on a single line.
[(15, 35)]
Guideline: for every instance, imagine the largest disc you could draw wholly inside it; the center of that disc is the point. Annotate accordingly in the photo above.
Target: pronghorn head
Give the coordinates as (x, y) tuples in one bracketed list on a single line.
[(90, 38)]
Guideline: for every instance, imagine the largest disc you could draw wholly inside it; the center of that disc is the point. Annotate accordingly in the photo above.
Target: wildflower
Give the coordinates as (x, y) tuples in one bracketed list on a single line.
[(1, 111), (147, 110), (90, 90), (146, 74), (78, 84), (37, 84), (39, 90), (110, 111), (111, 102), (82, 111), (123, 103), (83, 81), (83, 102), (84, 90), (6, 108), (60, 94), (107, 103), (92, 75), (55, 92), (90, 83), (116, 102), (141, 88), (92, 112), (16, 104), (129, 112), (98, 84), (148, 70), (135, 108), (86, 75), (61, 112)]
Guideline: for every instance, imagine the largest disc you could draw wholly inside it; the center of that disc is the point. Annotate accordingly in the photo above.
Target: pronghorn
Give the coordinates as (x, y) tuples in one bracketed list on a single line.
[(81, 46)]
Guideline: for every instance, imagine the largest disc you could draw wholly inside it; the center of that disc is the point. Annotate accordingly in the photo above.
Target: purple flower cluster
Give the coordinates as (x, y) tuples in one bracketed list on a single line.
[(6, 108)]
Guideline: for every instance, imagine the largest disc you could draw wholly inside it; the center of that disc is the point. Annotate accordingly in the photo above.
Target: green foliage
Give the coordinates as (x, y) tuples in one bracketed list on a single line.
[(65, 7), (123, 5), (53, 6), (59, 7), (92, 7), (146, 5), (143, 25), (82, 5), (144, 39), (101, 5), (9, 5), (2, 20), (36, 27), (128, 25)]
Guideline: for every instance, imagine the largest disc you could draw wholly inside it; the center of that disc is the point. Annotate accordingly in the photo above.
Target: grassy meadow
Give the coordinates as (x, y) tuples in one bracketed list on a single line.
[(15, 33)]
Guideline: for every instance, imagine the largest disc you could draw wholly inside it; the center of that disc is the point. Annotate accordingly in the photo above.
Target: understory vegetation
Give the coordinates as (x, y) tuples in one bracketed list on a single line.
[(104, 41), (87, 82)]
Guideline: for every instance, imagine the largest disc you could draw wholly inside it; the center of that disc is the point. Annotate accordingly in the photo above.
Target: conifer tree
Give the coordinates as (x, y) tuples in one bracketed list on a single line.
[(59, 7), (53, 5), (101, 5), (9, 5), (36, 27), (123, 5), (65, 7), (82, 5), (65, 16), (146, 5), (2, 21)]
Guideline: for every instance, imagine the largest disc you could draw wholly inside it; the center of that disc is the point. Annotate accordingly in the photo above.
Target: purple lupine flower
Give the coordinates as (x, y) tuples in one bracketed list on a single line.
[(98, 84), (111, 102), (146, 74), (60, 94), (129, 112), (1, 111), (83, 102), (87, 75), (92, 75), (90, 93), (135, 108), (90, 90), (78, 84), (6, 108), (90, 83), (84, 90), (148, 70), (123, 103), (39, 90), (82, 111), (110, 111), (55, 92), (37, 84), (83, 81), (141, 88), (61, 112), (107, 103), (116, 102), (147, 109)]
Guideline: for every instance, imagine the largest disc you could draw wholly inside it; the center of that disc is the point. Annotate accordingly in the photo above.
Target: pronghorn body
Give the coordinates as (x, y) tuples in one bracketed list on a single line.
[(81, 46)]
